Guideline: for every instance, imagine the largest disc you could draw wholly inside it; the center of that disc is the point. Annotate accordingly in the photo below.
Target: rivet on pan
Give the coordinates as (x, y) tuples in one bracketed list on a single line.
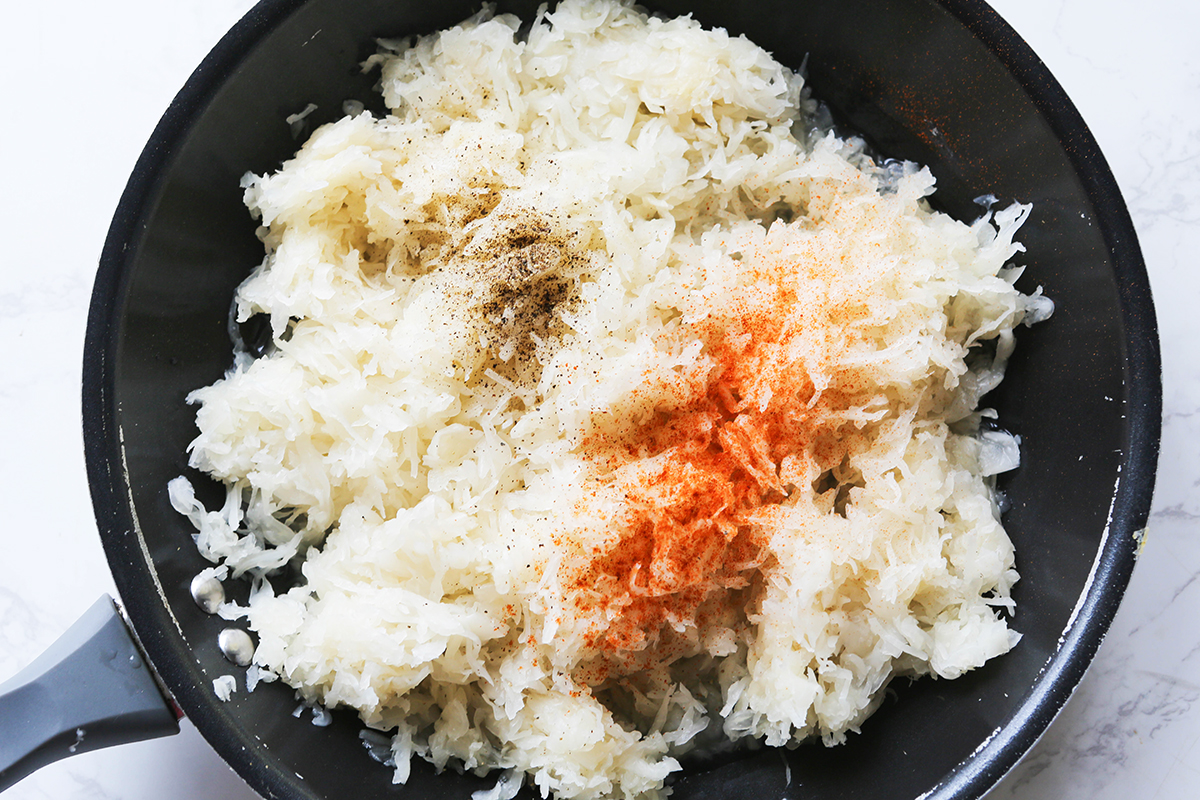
[(208, 592), (236, 645)]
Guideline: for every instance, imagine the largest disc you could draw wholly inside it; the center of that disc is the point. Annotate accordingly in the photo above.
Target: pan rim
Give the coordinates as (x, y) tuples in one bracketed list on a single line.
[(136, 579)]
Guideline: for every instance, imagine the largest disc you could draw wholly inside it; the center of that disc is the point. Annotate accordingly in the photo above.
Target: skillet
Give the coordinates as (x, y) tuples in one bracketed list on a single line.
[(943, 83)]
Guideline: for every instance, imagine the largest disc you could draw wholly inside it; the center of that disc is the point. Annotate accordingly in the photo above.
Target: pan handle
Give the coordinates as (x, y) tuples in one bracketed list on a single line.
[(92, 688)]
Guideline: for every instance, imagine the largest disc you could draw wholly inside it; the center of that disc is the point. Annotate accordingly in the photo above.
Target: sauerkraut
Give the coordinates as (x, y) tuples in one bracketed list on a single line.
[(612, 409)]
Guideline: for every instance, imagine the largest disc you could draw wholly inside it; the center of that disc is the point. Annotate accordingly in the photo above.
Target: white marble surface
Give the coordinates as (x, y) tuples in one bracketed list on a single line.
[(78, 69)]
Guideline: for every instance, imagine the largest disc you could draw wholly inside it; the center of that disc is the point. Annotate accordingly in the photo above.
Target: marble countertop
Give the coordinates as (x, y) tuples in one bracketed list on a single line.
[(77, 71)]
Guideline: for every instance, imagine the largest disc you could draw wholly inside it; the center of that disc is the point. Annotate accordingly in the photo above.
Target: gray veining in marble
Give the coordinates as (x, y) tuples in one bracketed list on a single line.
[(1131, 731)]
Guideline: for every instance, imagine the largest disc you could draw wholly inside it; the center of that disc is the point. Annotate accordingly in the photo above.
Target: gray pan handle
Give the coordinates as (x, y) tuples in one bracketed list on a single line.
[(92, 688)]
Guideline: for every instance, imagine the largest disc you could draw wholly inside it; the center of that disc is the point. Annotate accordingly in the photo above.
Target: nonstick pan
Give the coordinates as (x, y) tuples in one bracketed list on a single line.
[(942, 82)]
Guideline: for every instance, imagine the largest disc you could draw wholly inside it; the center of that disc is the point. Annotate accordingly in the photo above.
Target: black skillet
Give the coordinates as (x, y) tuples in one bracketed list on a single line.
[(943, 82)]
